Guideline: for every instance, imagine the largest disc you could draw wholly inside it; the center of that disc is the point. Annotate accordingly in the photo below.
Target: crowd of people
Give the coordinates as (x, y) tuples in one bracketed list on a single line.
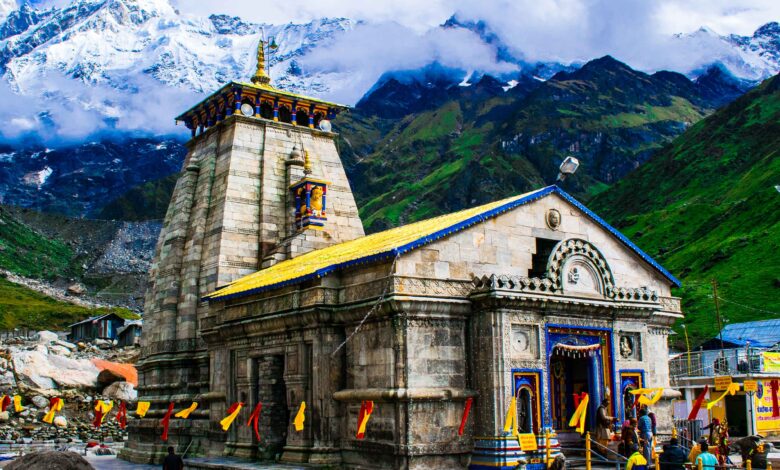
[(637, 438)]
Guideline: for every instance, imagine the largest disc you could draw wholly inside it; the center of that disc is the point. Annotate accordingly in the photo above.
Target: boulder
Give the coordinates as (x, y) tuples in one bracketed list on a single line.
[(102, 343), (66, 344), (59, 350), (48, 371), (106, 377), (77, 289), (60, 421), (40, 402), (4, 416), (45, 337), (121, 391), (51, 459)]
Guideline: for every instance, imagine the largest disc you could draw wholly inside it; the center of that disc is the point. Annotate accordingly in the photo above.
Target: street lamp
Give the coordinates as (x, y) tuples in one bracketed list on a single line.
[(567, 168)]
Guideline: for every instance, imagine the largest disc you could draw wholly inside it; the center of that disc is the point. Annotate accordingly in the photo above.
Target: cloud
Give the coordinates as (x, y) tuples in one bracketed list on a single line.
[(365, 53), (64, 110)]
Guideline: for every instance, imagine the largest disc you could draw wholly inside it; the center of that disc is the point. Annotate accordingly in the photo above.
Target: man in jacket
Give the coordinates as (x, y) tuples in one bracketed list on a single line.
[(673, 457)]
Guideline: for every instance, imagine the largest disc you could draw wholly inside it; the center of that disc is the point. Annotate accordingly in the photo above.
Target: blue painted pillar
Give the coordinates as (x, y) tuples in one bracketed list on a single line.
[(237, 99), (257, 105), (276, 109)]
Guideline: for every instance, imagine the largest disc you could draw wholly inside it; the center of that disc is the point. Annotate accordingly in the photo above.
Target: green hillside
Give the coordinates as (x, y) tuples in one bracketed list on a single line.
[(706, 208), (31, 254), (22, 307), (475, 144)]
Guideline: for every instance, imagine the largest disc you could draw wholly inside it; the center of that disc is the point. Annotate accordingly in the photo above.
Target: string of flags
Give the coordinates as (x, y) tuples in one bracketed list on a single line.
[(103, 407)]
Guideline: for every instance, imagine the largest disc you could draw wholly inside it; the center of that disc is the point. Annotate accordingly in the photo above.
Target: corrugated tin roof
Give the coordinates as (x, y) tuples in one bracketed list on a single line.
[(95, 318), (761, 334), (393, 242)]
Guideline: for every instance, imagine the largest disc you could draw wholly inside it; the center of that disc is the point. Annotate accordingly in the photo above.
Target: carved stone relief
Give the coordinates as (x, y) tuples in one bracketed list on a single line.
[(630, 346), (524, 341)]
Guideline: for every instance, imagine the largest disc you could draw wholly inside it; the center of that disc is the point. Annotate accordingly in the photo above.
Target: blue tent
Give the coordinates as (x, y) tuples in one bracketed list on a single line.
[(761, 334)]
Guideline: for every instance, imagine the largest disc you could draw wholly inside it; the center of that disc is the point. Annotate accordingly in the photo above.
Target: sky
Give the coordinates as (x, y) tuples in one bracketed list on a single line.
[(664, 16), (397, 35)]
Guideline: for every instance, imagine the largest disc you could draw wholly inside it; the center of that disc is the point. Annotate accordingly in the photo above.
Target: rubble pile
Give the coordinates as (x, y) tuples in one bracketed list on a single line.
[(47, 366)]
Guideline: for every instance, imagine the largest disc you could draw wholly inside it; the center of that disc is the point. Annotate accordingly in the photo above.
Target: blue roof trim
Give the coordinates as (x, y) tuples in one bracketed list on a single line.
[(457, 228), (676, 282)]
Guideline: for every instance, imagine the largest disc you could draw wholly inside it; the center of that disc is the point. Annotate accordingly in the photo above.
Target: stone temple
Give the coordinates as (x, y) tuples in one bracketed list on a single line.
[(266, 289)]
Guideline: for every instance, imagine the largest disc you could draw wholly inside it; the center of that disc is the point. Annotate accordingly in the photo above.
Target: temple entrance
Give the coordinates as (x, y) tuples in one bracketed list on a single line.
[(571, 377), (272, 393), (579, 362)]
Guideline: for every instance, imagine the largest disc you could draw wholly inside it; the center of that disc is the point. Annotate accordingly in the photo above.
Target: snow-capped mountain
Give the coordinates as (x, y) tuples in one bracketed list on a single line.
[(108, 41), (755, 57), (102, 62)]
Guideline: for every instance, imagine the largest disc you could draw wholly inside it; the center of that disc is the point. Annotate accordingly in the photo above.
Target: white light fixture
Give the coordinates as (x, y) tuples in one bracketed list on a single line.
[(568, 167), (247, 109), (325, 125)]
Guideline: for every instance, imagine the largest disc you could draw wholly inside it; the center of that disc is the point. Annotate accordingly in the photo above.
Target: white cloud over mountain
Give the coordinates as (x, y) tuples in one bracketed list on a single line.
[(73, 69)]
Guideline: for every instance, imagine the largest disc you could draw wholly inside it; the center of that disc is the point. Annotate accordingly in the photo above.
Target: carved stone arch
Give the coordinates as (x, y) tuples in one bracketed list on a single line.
[(575, 256)]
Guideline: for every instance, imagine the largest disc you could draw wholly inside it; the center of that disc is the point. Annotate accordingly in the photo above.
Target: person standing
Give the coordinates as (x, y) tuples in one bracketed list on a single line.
[(629, 436), (645, 427), (604, 423), (708, 461), (673, 456), (637, 461), (172, 461)]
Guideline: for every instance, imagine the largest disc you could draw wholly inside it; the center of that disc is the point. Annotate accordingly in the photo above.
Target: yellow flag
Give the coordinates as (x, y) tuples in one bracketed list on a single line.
[(18, 404), (733, 388), (104, 407), (143, 407), (57, 406), (300, 417), (186, 413), (643, 392), (233, 412), (578, 418), (510, 423)]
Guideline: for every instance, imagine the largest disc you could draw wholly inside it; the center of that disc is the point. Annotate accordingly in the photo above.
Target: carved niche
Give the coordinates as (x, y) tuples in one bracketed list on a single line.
[(524, 341), (577, 266), (630, 346)]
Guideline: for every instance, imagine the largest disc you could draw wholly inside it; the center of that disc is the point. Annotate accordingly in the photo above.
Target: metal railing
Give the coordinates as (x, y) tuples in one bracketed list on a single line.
[(715, 362)]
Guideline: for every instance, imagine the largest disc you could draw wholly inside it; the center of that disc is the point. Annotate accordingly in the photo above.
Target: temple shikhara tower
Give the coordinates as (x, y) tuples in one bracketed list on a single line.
[(265, 289)]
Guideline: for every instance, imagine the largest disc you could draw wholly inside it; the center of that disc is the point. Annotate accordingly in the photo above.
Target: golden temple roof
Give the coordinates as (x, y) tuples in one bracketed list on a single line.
[(373, 247), (393, 242)]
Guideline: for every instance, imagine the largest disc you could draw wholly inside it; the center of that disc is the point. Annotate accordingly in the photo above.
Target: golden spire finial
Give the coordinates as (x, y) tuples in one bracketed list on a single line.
[(306, 163), (260, 77)]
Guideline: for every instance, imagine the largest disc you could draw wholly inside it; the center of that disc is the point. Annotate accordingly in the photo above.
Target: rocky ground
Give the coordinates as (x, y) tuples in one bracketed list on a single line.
[(46, 366)]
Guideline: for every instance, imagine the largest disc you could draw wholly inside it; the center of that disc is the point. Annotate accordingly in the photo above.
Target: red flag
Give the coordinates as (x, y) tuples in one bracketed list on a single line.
[(166, 421), (774, 385), (121, 415), (465, 417), (366, 408), (697, 404), (578, 398), (5, 402), (254, 419), (98, 417)]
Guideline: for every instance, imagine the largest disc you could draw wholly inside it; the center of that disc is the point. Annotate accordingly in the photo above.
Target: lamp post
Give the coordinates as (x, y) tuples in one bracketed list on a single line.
[(567, 168)]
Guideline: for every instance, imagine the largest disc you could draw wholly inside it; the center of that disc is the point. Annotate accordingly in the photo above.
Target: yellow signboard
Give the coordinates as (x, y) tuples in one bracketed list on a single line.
[(750, 386), (722, 382), (766, 424), (771, 361), (528, 442)]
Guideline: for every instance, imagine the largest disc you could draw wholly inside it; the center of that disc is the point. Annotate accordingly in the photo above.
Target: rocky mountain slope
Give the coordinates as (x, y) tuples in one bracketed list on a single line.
[(472, 144), (707, 207), (79, 180)]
